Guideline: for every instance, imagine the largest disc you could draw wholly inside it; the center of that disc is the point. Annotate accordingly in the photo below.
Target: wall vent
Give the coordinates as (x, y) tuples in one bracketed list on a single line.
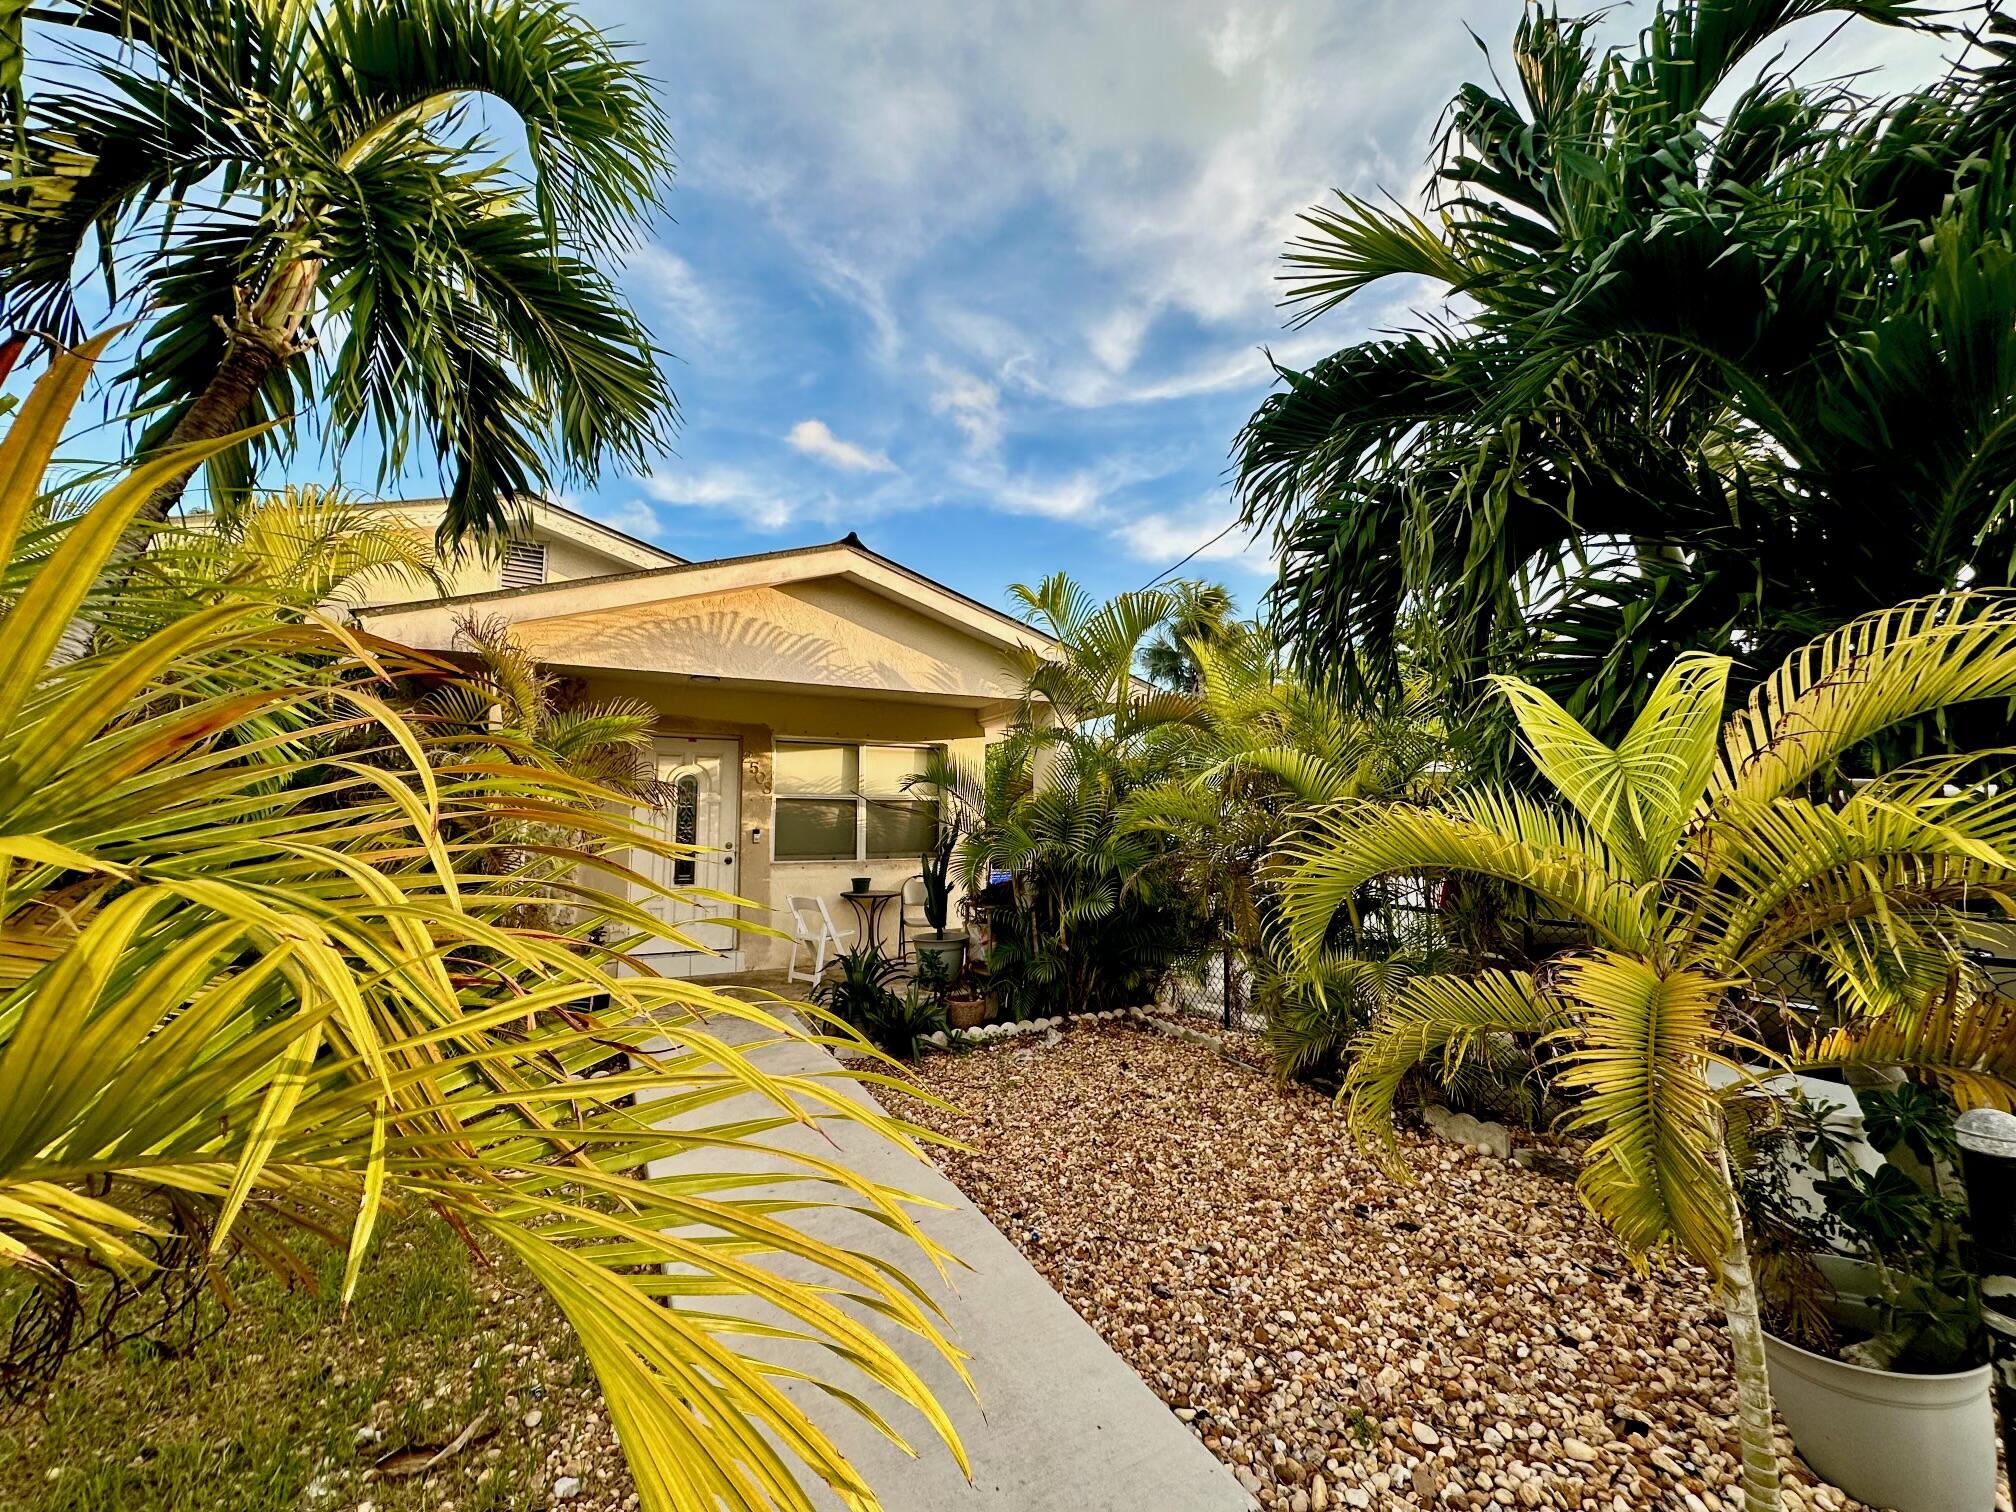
[(524, 564)]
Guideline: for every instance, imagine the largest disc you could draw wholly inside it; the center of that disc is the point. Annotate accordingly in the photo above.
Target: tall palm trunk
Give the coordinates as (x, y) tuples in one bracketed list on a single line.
[(264, 335), (1754, 1422)]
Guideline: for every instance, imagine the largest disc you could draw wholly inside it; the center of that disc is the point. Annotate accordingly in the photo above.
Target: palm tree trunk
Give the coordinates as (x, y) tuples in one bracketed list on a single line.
[(1754, 1419), (264, 335)]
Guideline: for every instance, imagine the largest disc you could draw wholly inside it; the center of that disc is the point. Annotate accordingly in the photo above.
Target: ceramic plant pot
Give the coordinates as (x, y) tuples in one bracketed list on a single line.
[(948, 944), (1911, 1443)]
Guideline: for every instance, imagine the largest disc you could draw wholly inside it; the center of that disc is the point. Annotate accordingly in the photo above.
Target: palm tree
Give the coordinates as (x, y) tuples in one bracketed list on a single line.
[(1203, 613), (260, 983), (309, 179), (1264, 749), (1695, 372), (1097, 919), (1698, 866)]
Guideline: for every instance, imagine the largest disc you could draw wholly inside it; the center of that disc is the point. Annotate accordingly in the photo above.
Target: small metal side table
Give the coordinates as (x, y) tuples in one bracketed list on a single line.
[(868, 908)]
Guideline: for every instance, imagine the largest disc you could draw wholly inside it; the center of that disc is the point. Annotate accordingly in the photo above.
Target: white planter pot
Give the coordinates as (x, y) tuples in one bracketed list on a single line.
[(951, 945), (1909, 1443)]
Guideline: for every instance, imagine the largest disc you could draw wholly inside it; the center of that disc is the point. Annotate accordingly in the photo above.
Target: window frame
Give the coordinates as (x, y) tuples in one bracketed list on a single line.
[(858, 798)]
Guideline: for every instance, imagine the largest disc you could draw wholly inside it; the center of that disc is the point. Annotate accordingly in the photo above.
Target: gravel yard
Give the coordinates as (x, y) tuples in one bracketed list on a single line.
[(1340, 1338)]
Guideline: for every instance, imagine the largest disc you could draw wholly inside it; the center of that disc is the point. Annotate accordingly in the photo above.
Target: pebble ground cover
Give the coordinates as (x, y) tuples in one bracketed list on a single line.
[(1339, 1337)]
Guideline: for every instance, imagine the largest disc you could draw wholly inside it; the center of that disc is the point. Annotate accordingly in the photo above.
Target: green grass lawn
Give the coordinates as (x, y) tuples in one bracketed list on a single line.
[(293, 1402)]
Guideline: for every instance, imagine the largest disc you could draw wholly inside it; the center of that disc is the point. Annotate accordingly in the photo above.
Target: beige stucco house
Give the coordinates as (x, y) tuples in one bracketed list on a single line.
[(796, 689)]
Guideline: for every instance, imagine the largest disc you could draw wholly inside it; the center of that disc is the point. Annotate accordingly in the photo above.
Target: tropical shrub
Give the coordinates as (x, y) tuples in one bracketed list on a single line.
[(308, 177), (1263, 749), (259, 986), (1096, 918), (1905, 1219), (860, 991), (1697, 858), (1712, 380)]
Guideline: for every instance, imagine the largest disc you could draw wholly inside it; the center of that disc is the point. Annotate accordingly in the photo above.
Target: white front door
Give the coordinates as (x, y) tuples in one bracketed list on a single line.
[(705, 781)]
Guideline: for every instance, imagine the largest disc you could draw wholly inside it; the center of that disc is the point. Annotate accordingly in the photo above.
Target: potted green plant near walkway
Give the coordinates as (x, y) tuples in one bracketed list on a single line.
[(1878, 1353), (1698, 857), (951, 786)]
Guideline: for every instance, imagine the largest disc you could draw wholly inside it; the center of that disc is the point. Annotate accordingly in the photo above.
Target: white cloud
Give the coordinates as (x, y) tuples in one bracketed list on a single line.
[(815, 439), (1166, 537), (665, 284), (632, 517), (729, 490), (1115, 339), (973, 403), (1088, 495), (1243, 37)]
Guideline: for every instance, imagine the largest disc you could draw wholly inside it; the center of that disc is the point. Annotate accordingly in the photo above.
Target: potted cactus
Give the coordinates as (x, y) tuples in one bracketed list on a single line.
[(944, 780)]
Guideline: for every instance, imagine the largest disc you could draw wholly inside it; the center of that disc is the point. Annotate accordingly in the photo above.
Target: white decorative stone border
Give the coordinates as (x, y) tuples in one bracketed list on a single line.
[(988, 1034)]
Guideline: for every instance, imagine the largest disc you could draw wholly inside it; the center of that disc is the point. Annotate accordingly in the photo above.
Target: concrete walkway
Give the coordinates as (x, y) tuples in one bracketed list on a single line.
[(1062, 1423)]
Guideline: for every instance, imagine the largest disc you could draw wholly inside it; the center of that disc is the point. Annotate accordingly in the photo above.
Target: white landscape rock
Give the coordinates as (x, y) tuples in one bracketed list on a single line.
[(1485, 1138)]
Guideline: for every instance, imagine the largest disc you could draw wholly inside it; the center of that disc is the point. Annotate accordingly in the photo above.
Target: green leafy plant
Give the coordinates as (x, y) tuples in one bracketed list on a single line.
[(1698, 316), (905, 1022), (1263, 749), (1900, 1219), (309, 178), (859, 992), (1696, 859), (259, 987), (1095, 918), (935, 867), (934, 975)]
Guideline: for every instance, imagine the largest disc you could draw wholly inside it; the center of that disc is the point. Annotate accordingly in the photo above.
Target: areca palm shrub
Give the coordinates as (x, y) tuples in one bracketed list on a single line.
[(1263, 749), (262, 982), (297, 549), (1720, 358), (1099, 915), (306, 200), (1699, 860)]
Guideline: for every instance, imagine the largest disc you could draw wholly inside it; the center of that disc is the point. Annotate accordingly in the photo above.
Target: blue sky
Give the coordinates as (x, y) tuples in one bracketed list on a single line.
[(989, 283)]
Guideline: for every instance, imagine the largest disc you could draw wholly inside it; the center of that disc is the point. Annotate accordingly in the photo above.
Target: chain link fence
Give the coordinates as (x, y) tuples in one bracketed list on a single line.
[(1217, 987)]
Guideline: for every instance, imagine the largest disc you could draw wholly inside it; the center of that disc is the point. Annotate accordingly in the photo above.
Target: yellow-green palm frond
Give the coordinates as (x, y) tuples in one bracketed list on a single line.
[(1881, 964), (1643, 1041), (324, 544), (519, 686), (1307, 777), (1440, 1021), (1900, 853), (260, 981), (1963, 1038), (1483, 831), (1871, 674), (1313, 1012), (1640, 795)]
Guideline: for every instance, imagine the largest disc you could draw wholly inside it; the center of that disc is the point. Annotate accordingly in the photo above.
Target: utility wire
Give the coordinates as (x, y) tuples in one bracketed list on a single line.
[(1201, 547)]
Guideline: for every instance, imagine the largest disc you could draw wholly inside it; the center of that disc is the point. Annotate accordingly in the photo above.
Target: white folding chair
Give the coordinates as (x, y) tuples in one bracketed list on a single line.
[(812, 927)]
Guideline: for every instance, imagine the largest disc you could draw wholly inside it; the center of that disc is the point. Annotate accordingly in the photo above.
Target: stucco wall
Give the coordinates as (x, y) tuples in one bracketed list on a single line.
[(826, 633)]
